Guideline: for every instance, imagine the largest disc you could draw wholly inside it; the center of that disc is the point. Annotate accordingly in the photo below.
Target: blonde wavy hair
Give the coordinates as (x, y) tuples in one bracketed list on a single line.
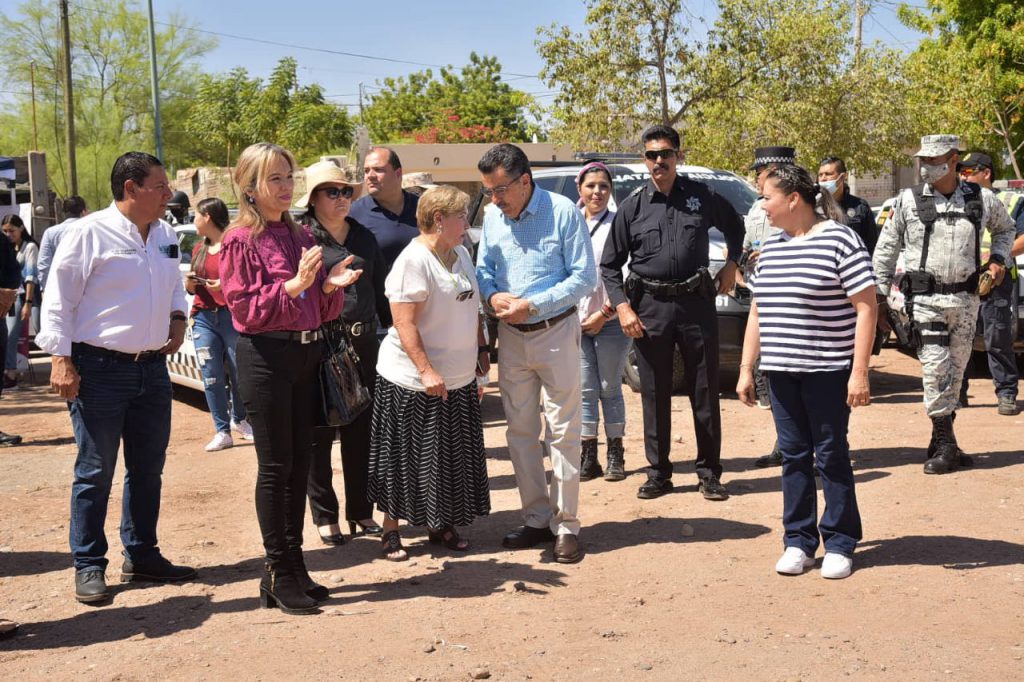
[(443, 199), (251, 173)]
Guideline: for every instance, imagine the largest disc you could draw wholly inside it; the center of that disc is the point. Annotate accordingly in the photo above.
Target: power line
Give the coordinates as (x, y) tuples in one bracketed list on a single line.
[(292, 46)]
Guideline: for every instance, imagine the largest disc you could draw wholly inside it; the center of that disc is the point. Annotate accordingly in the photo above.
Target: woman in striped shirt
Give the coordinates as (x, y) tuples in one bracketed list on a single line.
[(813, 323)]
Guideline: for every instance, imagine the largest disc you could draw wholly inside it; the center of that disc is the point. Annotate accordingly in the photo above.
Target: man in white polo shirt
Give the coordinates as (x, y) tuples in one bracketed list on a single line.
[(114, 309)]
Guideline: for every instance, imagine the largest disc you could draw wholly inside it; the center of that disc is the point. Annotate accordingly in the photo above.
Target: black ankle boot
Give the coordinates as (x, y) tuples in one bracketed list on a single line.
[(280, 588), (947, 454), (589, 466), (616, 461), (314, 590)]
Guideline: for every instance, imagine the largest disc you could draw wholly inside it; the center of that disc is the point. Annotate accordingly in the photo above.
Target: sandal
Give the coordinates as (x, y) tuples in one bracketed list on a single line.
[(391, 544), (448, 537)]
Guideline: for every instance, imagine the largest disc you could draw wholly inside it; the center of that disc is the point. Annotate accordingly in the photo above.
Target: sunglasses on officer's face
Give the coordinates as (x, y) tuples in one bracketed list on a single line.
[(655, 154), (335, 192)]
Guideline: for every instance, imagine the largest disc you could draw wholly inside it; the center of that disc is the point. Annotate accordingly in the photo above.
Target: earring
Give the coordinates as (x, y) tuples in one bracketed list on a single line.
[(249, 198), (440, 229)]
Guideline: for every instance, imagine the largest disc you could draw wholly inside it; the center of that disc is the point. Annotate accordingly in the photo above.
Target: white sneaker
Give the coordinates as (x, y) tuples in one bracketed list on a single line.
[(243, 429), (836, 566), (221, 441), (793, 562)]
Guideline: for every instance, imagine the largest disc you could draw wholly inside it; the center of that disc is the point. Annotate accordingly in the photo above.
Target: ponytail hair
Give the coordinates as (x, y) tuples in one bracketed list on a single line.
[(791, 178)]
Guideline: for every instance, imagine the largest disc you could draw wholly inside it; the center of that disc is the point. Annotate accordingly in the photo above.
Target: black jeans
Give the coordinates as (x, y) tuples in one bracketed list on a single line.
[(355, 451), (689, 323), (278, 383)]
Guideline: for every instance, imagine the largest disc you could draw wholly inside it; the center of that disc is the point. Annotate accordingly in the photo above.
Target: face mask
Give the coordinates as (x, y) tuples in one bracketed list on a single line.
[(829, 185), (932, 174)]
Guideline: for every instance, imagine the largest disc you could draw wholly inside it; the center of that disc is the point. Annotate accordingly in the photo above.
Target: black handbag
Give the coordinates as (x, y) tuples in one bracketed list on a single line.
[(342, 393)]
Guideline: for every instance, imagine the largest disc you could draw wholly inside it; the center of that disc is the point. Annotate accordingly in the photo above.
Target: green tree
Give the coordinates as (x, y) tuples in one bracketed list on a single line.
[(421, 105), (110, 72), (762, 73), (234, 110), (982, 42)]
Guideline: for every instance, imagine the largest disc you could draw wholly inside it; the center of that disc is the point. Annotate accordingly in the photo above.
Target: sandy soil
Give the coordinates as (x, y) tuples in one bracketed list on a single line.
[(674, 588)]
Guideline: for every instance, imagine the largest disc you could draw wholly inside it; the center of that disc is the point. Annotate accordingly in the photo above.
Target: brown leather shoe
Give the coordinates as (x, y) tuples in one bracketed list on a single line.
[(567, 549)]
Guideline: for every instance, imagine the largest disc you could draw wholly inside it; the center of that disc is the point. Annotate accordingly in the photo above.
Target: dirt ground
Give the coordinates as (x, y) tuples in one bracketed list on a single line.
[(669, 589)]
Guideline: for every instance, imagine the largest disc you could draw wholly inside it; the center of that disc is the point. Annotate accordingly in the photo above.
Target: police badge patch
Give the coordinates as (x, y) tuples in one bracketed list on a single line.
[(851, 213), (693, 204)]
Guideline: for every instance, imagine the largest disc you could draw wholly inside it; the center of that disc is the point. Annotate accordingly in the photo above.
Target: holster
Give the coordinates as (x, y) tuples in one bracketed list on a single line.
[(916, 283), (634, 290), (706, 285)]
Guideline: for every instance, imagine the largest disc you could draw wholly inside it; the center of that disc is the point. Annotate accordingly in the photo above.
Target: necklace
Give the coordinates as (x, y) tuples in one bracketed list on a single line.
[(447, 269)]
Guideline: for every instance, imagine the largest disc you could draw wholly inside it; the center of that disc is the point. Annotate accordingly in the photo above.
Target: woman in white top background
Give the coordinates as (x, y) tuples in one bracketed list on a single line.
[(426, 449), (813, 322), (603, 345)]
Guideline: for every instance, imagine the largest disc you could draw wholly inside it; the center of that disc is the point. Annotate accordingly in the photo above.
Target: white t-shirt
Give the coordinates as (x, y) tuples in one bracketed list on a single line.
[(447, 325)]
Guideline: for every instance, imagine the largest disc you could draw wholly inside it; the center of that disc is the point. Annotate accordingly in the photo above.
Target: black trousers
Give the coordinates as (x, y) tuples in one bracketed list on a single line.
[(278, 384), (690, 324), (355, 452)]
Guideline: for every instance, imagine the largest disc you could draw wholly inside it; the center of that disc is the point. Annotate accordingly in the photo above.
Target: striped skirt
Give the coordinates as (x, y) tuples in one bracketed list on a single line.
[(427, 462)]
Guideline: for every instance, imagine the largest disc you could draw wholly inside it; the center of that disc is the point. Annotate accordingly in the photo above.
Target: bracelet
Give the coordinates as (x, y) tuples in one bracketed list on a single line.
[(177, 315), (607, 313), (483, 349)]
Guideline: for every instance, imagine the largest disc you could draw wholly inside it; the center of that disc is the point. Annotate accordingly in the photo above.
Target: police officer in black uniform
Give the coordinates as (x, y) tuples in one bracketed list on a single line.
[(832, 175), (668, 301)]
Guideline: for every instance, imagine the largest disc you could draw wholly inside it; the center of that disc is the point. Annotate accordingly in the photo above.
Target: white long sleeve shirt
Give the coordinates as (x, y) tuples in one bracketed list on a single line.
[(109, 288)]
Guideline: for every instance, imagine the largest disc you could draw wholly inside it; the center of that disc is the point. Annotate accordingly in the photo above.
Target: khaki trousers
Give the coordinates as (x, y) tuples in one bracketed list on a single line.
[(539, 376)]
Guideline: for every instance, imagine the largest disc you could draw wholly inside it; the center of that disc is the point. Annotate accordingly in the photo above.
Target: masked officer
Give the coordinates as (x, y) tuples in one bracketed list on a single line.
[(998, 318), (939, 225), (833, 176), (662, 227)]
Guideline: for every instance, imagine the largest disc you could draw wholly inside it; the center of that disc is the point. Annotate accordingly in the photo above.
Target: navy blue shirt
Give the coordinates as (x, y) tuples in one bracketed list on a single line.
[(393, 232)]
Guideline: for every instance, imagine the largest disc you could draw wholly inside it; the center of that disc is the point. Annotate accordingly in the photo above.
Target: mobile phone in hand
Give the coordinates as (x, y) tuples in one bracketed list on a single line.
[(197, 279)]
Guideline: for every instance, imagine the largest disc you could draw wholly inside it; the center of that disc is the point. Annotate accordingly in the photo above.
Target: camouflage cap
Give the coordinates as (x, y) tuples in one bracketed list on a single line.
[(937, 145)]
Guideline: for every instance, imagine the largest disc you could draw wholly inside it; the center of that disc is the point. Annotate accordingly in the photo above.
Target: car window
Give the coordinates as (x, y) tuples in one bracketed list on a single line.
[(186, 242)]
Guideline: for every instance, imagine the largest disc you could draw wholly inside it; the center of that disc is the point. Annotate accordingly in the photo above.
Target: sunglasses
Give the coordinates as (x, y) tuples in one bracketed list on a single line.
[(500, 189), (464, 295), (655, 154), (971, 171), (334, 192)]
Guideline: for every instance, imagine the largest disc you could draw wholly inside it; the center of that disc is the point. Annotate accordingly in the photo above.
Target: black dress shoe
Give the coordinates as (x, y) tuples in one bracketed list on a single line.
[(712, 489), (527, 536), (567, 549), (91, 586), (364, 529), (654, 488), (334, 539), (772, 459), (155, 569)]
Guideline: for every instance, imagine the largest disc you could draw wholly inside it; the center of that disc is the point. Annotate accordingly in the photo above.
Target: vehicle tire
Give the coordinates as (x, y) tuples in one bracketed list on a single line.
[(631, 376)]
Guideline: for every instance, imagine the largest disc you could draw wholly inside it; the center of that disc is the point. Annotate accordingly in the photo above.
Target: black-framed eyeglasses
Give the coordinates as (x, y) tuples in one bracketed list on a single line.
[(655, 154), (464, 295), (500, 189), (334, 192)]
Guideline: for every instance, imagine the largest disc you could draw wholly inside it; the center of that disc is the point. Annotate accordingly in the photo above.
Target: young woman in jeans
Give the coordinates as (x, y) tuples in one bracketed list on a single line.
[(20, 313), (813, 322), (279, 294), (603, 345), (212, 332)]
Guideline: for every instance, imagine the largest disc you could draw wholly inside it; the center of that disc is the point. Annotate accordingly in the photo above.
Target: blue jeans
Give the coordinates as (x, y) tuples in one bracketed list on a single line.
[(214, 337), (602, 359), (13, 334), (118, 400), (812, 418)]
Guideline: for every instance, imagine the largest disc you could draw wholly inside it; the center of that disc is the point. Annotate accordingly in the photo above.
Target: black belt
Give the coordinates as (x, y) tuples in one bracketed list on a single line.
[(659, 287), (143, 356), (544, 324), (303, 337), (361, 328)]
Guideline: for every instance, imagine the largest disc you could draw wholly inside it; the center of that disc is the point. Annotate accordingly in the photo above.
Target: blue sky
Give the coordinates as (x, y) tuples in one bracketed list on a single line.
[(439, 32)]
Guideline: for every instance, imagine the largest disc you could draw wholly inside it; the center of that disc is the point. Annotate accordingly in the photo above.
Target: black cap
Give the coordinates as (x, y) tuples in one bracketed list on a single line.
[(976, 160), (767, 155)]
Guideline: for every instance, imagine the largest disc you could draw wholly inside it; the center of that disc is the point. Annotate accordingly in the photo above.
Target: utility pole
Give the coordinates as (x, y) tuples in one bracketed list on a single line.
[(69, 100), (361, 104), (155, 86), (860, 10), (35, 128)]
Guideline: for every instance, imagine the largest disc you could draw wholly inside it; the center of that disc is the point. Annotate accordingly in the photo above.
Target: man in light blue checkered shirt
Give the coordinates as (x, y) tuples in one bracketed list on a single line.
[(534, 263)]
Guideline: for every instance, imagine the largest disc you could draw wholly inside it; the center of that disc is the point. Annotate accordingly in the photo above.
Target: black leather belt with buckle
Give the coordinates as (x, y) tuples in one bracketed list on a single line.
[(302, 337), (142, 356), (544, 324), (360, 328)]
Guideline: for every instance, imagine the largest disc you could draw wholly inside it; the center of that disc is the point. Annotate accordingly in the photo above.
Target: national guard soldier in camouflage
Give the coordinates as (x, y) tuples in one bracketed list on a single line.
[(938, 225)]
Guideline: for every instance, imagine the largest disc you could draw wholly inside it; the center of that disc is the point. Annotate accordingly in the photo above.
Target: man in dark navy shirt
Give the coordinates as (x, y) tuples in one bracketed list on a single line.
[(860, 218), (387, 210), (662, 228)]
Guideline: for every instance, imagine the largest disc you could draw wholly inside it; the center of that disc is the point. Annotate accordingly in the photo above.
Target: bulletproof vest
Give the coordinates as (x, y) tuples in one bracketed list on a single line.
[(974, 210)]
